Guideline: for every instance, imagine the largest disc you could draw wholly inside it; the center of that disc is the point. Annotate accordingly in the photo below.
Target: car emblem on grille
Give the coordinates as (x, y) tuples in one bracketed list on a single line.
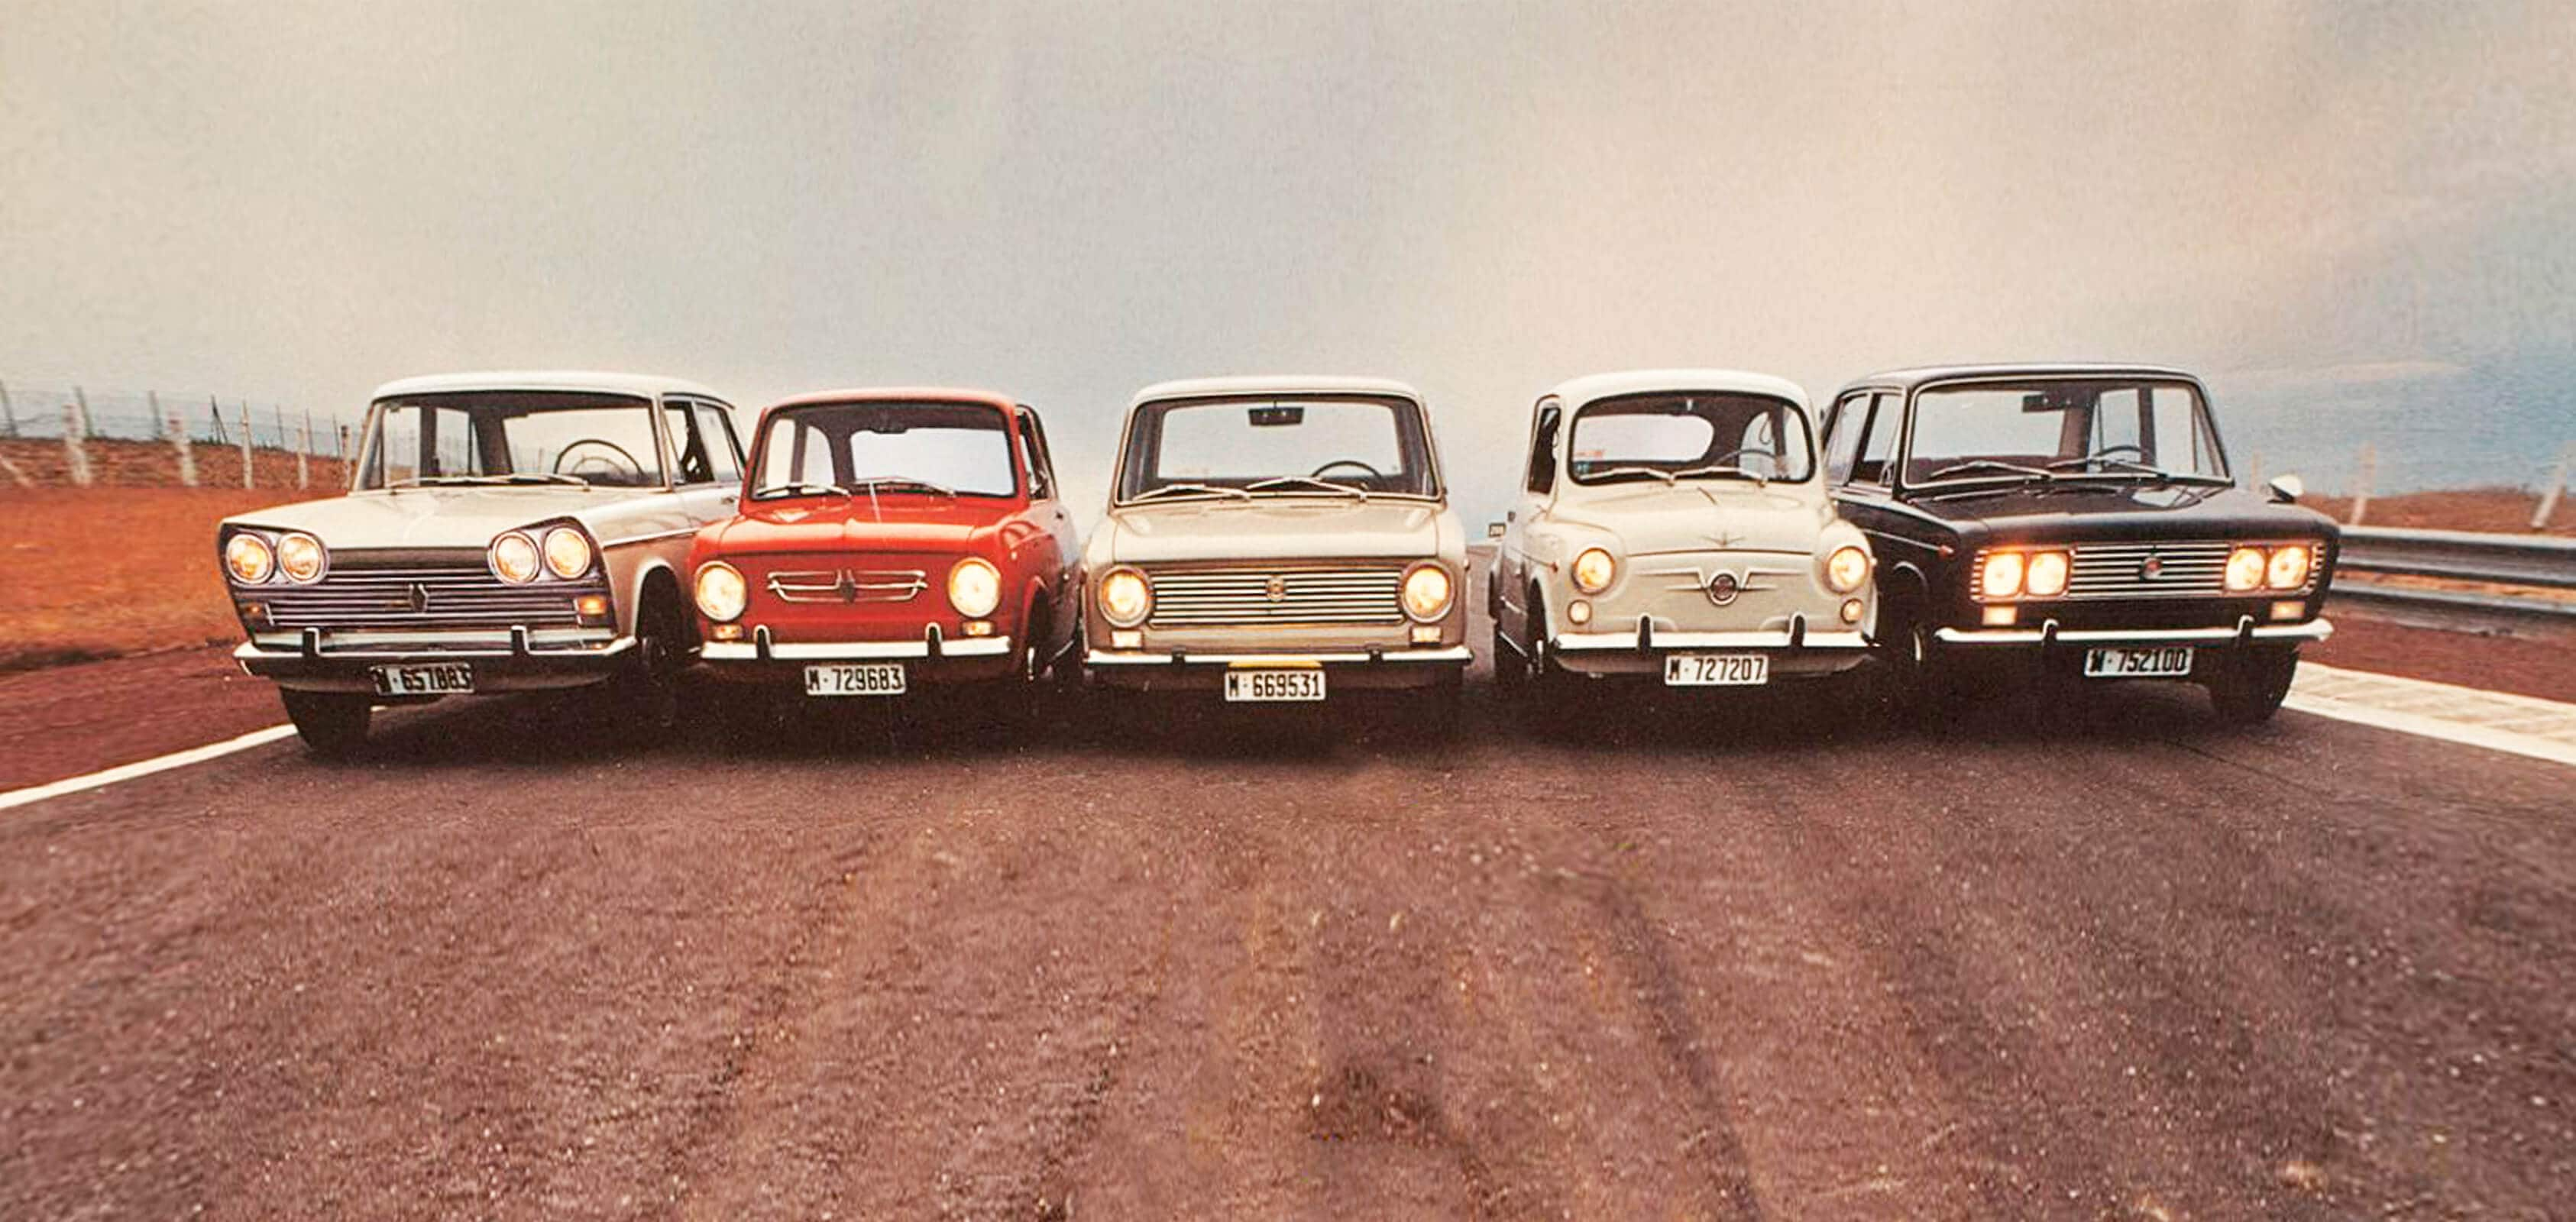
[(1278, 588), (1723, 588), (2151, 568), (847, 587), (419, 599)]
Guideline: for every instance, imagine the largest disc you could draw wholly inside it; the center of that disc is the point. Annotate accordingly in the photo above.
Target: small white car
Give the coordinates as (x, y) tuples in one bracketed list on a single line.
[(1672, 527)]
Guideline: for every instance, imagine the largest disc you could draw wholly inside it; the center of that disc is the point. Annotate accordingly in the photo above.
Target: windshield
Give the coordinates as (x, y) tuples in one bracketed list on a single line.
[(1270, 445), (1689, 435), (505, 437), (2061, 428), (949, 449)]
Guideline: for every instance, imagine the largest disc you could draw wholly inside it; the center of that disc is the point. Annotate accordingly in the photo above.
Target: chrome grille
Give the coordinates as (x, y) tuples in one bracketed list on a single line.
[(1302, 595), (848, 586), (2120, 570), (459, 595)]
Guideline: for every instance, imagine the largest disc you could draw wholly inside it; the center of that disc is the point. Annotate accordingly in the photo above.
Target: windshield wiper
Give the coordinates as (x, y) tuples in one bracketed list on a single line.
[(874, 482), (1192, 489), (1308, 480), (1991, 464), (514, 477), (1727, 470), (798, 488), (1608, 473)]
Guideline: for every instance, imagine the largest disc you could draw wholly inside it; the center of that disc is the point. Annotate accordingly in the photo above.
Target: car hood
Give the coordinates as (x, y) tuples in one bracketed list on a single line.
[(887, 523), (2122, 510), (430, 517), (1699, 517), (1283, 527)]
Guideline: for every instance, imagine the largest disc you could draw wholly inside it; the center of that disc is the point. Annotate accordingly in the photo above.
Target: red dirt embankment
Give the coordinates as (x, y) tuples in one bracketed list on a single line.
[(2505, 511), (97, 573), (155, 464)]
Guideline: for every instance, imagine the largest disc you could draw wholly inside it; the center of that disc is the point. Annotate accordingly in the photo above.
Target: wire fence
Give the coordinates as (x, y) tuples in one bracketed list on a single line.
[(76, 436)]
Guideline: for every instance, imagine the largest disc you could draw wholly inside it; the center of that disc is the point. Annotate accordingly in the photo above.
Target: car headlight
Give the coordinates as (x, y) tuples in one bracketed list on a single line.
[(514, 558), (2002, 575), (721, 592), (567, 552), (2245, 567), (1846, 569), (974, 587), (299, 556), (1427, 590), (2288, 567), (1125, 599), (1593, 570), (2044, 575), (249, 558)]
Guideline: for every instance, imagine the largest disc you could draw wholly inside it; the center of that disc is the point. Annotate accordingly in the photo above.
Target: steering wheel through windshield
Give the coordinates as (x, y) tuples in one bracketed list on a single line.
[(605, 464), (1373, 473)]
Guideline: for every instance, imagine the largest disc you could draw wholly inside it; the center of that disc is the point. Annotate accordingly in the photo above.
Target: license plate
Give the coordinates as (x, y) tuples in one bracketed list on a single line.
[(2165, 662), (1716, 669), (432, 679), (855, 679), (1259, 685)]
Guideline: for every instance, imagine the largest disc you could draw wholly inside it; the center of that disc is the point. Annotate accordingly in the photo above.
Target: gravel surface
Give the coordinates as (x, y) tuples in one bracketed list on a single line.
[(2099, 960)]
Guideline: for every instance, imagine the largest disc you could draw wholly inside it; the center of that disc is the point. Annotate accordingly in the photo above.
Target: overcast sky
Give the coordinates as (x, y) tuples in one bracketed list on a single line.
[(1066, 201)]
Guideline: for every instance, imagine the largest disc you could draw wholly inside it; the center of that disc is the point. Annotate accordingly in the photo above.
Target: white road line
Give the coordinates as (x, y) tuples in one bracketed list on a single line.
[(2497, 721), (127, 772)]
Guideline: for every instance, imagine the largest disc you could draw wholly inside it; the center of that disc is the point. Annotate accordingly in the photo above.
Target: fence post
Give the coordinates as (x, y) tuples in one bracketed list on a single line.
[(304, 455), (75, 455), (247, 482), (2549, 495), (215, 412), (2364, 465), (8, 413), (178, 433)]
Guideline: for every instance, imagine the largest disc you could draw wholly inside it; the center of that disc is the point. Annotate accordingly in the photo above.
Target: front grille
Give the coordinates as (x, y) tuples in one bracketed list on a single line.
[(848, 585), (455, 595), (2192, 569), (1337, 594)]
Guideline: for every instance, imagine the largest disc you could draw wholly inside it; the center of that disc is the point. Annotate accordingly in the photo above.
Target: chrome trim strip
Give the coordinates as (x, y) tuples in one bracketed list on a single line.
[(250, 651), (2313, 630), (854, 651), (1105, 657), (605, 544), (1667, 641)]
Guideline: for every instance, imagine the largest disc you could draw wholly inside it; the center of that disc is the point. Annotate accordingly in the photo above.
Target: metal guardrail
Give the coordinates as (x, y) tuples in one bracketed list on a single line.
[(2541, 561)]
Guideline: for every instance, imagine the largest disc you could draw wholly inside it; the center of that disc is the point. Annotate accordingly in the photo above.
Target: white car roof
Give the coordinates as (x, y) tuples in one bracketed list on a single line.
[(641, 385), (1275, 384), (1579, 391)]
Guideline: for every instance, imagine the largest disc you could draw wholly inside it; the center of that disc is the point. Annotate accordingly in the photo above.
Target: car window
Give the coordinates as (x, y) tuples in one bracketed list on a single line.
[(511, 435), (889, 447), (1878, 445), (1842, 441), (688, 447), (1282, 443), (715, 424), (1690, 435), (2090, 426), (1041, 466), (1542, 459), (2182, 440)]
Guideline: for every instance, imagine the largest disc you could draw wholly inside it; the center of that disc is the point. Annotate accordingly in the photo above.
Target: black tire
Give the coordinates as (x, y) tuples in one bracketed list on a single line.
[(1019, 701), (1908, 668), (332, 724), (1511, 667), (647, 696), (2248, 688)]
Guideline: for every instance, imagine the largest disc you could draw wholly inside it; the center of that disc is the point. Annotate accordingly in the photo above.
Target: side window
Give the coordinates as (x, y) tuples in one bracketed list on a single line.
[(2118, 424), (1542, 459), (1842, 438), (1041, 466), (687, 446), (1879, 445), (724, 453)]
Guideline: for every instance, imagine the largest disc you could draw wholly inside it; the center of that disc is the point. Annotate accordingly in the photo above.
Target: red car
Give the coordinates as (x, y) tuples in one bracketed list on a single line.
[(890, 541)]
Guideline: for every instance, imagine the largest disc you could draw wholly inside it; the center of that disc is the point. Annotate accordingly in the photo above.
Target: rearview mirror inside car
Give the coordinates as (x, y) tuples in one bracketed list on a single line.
[(1493, 530)]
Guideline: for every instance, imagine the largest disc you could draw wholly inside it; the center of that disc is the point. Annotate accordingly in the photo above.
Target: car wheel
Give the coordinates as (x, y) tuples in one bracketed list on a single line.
[(648, 694), (332, 724), (2249, 688), (1511, 669), (1908, 677)]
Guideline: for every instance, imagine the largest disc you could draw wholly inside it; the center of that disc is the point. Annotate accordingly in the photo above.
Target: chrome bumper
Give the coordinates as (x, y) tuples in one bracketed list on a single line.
[(2245, 631), (1650, 641), (851, 651), (516, 643), (1455, 655)]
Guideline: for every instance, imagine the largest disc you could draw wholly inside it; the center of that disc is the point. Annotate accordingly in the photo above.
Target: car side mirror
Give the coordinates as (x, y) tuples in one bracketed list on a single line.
[(1493, 530), (2287, 489)]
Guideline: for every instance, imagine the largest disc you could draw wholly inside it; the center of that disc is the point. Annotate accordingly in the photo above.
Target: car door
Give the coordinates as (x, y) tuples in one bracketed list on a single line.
[(1508, 598), (706, 458), (1061, 549), (1861, 448)]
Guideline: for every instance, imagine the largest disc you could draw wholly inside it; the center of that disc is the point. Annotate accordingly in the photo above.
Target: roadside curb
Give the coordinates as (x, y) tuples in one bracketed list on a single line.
[(2498, 721)]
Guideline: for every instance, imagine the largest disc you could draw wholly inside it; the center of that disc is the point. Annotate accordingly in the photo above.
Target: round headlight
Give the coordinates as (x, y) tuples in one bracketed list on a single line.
[(514, 558), (2045, 575), (1593, 570), (1427, 592), (2288, 569), (567, 552), (974, 587), (721, 592), (2245, 568), (249, 559), (1125, 599), (2002, 575), (299, 556), (1846, 569)]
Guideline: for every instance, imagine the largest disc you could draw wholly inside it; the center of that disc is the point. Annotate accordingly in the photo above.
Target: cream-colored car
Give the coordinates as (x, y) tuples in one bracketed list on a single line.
[(1672, 526), (1282, 539), (504, 532)]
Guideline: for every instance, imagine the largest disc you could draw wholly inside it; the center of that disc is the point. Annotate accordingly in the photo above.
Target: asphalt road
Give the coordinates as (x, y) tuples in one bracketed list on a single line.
[(2105, 961)]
